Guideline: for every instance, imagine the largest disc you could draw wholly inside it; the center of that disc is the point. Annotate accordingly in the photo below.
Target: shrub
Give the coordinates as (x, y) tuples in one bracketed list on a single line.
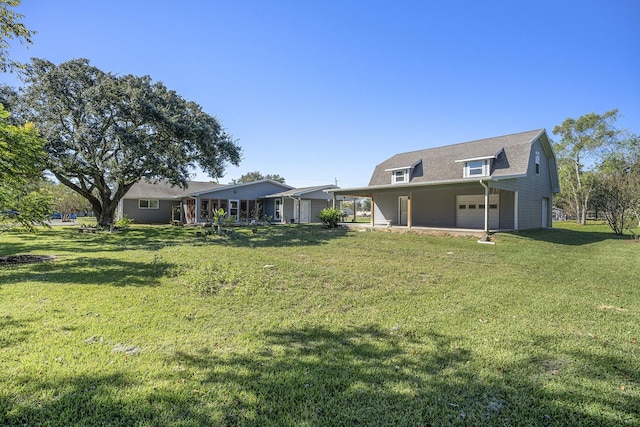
[(330, 217), (124, 222)]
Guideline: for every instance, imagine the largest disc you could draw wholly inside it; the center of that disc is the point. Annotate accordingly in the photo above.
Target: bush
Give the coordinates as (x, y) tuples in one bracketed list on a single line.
[(124, 222), (330, 217)]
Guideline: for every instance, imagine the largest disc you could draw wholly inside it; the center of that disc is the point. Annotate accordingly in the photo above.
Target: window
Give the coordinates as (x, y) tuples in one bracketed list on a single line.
[(400, 176), (148, 204), (476, 168), (537, 163)]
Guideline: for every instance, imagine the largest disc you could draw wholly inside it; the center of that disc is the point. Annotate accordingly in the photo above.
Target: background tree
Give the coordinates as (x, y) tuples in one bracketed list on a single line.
[(584, 143), (257, 176), (66, 201), (11, 28), (104, 132), (21, 164), (617, 186)]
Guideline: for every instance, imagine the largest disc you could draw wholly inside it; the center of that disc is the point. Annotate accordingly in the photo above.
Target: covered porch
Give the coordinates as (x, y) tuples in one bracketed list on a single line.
[(471, 206)]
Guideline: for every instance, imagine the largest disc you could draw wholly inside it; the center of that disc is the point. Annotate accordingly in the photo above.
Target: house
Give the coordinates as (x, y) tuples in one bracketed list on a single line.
[(301, 205), (154, 202), (501, 183), (161, 203)]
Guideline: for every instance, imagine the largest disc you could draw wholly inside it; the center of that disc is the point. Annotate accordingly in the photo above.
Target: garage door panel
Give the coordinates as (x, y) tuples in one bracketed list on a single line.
[(470, 211)]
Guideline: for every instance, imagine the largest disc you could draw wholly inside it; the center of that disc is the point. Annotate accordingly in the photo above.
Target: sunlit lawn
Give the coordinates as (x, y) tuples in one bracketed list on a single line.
[(297, 325)]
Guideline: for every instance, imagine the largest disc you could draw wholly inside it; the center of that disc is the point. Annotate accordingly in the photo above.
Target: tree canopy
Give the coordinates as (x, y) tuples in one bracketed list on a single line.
[(11, 28), (585, 143), (106, 132), (257, 176)]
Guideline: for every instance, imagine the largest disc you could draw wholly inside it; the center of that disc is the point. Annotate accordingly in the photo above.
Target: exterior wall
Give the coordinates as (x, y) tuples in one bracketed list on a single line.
[(436, 207), (507, 208), (162, 215), (532, 189), (316, 206)]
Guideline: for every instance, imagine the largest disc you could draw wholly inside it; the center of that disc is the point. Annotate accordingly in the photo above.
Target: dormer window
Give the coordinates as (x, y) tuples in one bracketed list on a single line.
[(400, 176), (476, 168)]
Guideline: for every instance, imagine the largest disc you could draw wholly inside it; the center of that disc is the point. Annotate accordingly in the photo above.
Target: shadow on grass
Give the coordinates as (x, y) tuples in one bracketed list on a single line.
[(562, 236), (87, 271), (317, 377), (98, 400), (13, 331), (368, 376), (68, 240)]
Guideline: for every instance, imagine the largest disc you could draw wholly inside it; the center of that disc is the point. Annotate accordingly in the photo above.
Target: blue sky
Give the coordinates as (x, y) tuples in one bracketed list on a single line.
[(322, 90)]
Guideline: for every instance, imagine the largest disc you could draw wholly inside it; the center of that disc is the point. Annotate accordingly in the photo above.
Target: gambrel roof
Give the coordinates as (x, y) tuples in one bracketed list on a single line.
[(510, 158), (511, 155)]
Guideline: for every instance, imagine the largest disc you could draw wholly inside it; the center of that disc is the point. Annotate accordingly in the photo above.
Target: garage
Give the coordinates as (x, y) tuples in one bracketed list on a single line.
[(470, 211)]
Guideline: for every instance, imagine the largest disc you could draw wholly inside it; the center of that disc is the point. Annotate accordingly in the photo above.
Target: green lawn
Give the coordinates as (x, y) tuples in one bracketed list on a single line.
[(300, 326)]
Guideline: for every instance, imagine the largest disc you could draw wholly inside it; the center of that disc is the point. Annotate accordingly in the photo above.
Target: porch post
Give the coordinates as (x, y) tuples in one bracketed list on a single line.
[(515, 211), (334, 200), (373, 210), (486, 208), (409, 209)]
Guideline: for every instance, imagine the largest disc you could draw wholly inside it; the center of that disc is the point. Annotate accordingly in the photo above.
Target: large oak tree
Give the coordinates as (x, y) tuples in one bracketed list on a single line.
[(105, 132)]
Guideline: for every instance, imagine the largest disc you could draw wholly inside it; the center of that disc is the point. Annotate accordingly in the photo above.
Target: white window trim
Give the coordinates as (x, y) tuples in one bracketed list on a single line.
[(484, 168), (151, 204), (395, 175)]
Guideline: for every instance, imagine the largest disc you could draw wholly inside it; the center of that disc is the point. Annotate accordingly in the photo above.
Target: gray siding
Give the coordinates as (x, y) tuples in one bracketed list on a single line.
[(317, 205), (532, 189), (162, 215)]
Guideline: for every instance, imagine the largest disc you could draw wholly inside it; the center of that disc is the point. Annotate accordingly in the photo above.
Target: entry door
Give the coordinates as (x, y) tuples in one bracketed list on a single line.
[(545, 212), (403, 209), (305, 211)]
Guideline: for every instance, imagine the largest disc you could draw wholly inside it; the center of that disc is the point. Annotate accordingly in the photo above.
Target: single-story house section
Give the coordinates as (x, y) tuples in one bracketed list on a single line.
[(161, 203), (501, 183), (158, 202), (301, 205), (243, 202)]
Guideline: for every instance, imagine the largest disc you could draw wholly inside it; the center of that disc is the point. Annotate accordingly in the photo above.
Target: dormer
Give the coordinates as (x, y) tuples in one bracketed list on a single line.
[(402, 174), (478, 167)]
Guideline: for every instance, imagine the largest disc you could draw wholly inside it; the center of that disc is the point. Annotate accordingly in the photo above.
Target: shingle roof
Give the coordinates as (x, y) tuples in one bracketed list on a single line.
[(439, 164), (163, 190), (301, 191)]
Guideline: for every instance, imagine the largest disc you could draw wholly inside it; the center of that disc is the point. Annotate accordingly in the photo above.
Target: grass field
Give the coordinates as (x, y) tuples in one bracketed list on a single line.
[(301, 326)]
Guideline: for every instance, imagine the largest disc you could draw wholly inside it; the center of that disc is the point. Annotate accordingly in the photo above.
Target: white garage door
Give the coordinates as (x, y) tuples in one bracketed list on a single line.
[(470, 211)]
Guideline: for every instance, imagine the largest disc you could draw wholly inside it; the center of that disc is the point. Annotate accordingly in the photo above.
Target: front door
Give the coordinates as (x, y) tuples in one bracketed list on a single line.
[(403, 210), (545, 212), (305, 211)]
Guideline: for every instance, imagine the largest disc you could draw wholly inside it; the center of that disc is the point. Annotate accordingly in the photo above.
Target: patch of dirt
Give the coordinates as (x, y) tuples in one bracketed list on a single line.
[(24, 259)]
